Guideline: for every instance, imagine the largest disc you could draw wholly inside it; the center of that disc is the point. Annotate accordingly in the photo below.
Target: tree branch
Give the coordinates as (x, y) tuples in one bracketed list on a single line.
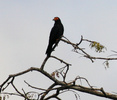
[(58, 85), (97, 92)]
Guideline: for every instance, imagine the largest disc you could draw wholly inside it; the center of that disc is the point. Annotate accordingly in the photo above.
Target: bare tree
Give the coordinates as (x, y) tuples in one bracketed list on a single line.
[(59, 87)]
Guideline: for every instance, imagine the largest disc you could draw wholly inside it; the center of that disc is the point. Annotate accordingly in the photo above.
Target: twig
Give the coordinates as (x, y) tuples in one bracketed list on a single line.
[(78, 77), (102, 58), (47, 91), (61, 60), (64, 77), (1, 86), (80, 41), (34, 86), (19, 92), (75, 46), (8, 83)]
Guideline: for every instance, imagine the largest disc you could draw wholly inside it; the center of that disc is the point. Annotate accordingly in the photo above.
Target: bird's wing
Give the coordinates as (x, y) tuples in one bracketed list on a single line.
[(54, 34)]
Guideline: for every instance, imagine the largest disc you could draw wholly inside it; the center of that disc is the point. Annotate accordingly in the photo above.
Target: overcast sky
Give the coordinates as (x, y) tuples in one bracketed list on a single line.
[(24, 31)]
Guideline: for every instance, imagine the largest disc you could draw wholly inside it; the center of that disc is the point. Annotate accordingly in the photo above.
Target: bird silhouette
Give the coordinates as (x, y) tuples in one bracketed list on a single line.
[(55, 35)]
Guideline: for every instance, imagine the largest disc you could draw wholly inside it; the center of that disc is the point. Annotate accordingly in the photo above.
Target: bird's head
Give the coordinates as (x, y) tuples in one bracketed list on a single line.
[(56, 18)]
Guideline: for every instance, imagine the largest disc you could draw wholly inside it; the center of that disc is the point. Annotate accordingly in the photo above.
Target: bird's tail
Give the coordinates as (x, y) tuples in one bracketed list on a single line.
[(49, 50)]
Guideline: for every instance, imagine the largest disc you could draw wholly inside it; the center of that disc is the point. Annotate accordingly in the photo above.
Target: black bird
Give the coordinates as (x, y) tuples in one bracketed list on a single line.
[(55, 35)]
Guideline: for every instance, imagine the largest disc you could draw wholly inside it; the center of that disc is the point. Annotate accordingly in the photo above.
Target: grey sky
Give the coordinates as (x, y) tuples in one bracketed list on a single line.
[(24, 30)]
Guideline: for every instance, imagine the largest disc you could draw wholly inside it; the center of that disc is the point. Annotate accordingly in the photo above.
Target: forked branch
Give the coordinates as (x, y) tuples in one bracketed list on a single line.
[(58, 86)]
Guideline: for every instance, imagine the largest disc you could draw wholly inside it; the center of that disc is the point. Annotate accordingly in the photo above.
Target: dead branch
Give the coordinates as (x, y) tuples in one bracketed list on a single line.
[(76, 46), (97, 92), (34, 87), (59, 86), (61, 61), (43, 64), (62, 72), (63, 85)]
